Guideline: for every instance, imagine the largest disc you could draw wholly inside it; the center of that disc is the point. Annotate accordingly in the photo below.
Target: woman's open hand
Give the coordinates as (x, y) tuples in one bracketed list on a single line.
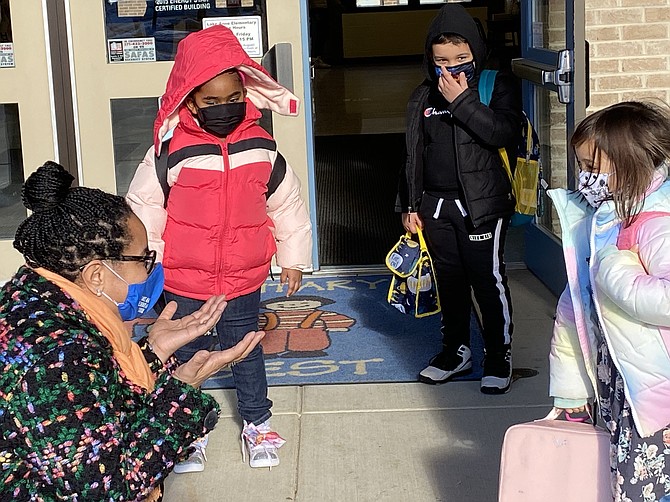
[(205, 364), (167, 335)]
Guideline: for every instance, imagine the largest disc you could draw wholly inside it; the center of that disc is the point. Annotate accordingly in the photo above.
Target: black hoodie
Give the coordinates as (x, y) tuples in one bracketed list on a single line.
[(454, 146)]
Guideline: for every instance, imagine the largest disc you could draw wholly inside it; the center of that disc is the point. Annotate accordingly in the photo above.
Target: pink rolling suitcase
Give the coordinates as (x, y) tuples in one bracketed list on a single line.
[(555, 461)]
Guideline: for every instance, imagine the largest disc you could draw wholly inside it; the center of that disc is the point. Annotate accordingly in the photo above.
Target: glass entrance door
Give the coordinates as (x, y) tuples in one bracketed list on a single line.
[(553, 70), (27, 133), (92, 108), (123, 52)]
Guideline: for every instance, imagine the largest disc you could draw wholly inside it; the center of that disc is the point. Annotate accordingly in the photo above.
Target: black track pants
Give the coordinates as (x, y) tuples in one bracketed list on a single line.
[(466, 258)]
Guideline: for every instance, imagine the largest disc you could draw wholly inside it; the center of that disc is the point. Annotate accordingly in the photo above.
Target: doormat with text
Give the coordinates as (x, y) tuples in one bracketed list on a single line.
[(342, 330)]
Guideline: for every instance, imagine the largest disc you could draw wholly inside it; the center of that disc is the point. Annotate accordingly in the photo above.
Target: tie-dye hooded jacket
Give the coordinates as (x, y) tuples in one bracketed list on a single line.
[(618, 293)]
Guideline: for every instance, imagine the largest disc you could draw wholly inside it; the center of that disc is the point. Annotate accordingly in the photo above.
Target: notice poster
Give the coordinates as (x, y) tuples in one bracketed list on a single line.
[(247, 29), (6, 55), (131, 50), (167, 22)]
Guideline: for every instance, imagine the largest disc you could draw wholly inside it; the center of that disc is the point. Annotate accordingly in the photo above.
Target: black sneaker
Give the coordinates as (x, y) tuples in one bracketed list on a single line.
[(497, 373), (445, 366)]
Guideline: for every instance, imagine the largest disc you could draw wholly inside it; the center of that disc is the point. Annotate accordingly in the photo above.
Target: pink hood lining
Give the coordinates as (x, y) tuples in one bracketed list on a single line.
[(202, 56)]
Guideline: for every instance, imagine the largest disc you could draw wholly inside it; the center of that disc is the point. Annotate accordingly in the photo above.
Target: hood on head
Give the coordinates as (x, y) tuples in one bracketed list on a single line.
[(453, 18), (203, 55)]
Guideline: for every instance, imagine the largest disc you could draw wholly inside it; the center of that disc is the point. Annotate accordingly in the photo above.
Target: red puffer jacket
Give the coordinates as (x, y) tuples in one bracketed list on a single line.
[(218, 233)]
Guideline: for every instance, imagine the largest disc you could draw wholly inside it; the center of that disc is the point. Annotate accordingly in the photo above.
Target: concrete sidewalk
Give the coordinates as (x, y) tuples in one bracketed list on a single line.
[(384, 442)]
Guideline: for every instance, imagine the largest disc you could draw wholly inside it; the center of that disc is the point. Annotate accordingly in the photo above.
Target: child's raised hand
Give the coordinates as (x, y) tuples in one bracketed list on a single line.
[(293, 278), (452, 87)]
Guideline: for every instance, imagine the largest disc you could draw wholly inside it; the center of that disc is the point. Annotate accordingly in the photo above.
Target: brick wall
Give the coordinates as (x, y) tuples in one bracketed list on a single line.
[(131, 8), (629, 57), (629, 50)]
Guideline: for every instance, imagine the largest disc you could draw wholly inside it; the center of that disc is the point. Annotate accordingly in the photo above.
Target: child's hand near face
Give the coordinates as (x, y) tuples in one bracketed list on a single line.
[(451, 87)]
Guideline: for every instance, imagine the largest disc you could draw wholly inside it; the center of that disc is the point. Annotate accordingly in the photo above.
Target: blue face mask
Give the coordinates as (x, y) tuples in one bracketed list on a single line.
[(467, 68), (141, 296)]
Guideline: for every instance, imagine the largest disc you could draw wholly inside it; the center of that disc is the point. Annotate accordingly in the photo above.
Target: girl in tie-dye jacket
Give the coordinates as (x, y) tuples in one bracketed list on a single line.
[(611, 343)]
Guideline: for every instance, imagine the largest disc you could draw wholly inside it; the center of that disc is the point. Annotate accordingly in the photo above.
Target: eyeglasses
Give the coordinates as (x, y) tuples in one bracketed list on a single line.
[(149, 259)]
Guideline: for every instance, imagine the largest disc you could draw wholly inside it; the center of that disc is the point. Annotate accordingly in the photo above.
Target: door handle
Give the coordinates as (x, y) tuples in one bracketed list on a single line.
[(558, 78)]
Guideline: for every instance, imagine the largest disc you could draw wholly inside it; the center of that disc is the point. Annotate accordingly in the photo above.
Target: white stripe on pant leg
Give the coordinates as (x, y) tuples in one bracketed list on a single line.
[(499, 283), (436, 215)]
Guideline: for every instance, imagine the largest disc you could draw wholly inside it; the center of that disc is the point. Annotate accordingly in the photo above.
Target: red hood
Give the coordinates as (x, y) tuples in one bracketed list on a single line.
[(202, 56)]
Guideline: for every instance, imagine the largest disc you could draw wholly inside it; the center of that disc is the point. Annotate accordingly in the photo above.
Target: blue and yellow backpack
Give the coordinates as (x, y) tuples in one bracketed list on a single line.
[(527, 174)]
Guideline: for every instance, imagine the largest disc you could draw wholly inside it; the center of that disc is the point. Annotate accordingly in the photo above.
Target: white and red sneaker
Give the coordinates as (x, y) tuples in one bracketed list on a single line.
[(261, 443)]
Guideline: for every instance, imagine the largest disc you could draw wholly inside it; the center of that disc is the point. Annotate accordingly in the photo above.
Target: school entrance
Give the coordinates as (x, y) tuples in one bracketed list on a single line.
[(80, 82)]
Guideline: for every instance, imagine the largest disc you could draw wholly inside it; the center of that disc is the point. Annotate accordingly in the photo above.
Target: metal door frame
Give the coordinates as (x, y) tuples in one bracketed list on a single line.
[(543, 249)]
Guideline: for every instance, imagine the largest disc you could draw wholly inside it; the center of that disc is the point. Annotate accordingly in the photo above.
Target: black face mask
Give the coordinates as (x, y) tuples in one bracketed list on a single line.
[(221, 120)]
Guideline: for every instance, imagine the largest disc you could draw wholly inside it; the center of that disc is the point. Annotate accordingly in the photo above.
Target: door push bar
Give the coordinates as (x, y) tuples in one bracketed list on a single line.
[(558, 78)]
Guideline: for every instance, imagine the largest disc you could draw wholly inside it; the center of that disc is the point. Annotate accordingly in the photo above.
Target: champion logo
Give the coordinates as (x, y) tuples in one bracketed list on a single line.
[(433, 111)]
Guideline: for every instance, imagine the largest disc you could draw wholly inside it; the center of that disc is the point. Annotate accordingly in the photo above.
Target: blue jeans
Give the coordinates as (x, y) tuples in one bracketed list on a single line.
[(239, 318)]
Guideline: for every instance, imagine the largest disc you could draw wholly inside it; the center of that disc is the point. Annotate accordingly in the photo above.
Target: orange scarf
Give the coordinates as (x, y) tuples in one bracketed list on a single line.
[(126, 352)]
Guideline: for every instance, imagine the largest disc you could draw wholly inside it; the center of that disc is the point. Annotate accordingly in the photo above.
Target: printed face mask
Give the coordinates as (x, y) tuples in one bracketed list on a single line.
[(141, 296), (593, 186), (467, 68), (221, 120)]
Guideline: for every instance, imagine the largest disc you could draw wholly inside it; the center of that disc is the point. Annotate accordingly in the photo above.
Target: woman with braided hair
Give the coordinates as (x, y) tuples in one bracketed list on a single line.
[(85, 412)]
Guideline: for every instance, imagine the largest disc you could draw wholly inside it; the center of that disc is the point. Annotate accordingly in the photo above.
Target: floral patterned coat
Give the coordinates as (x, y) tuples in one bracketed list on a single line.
[(72, 426)]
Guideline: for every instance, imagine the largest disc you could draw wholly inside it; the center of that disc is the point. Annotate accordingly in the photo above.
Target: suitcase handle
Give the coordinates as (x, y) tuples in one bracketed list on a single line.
[(556, 412)]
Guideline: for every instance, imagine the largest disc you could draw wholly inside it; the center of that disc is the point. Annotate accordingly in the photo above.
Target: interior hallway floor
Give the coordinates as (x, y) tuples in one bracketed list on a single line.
[(384, 442)]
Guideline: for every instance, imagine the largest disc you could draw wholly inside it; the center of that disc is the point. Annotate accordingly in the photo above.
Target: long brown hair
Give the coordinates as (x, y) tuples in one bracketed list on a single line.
[(635, 136)]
